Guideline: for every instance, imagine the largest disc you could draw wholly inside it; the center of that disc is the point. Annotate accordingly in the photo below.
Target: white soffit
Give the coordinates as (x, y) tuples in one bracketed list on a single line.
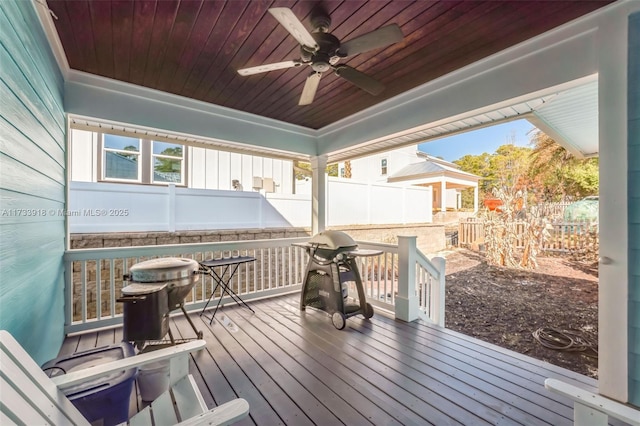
[(572, 119), (569, 116), (441, 130), (85, 123)]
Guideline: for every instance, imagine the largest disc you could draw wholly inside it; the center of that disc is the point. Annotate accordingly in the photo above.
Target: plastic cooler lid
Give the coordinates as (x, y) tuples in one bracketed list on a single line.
[(91, 358)]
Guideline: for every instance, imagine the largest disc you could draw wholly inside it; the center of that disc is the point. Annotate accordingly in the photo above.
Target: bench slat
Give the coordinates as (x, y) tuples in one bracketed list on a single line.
[(224, 414), (163, 410), (189, 400), (142, 418)]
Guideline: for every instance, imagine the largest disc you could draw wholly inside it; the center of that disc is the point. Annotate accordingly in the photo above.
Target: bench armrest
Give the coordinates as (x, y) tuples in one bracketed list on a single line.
[(224, 414), (76, 377)]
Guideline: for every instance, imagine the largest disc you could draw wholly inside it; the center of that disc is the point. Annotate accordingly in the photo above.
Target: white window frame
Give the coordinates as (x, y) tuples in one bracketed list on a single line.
[(103, 160), (384, 166), (169, 157), (146, 162)]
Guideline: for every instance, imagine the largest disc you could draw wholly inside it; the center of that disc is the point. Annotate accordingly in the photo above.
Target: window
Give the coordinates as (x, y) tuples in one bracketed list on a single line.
[(168, 161), (121, 158), (127, 159), (383, 166)]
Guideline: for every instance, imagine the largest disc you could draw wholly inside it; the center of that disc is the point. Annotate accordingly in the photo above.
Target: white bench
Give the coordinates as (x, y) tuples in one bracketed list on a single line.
[(590, 409), (28, 396)]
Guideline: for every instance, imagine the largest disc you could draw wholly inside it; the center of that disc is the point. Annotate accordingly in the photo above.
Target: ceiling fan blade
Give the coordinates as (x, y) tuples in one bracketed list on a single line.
[(291, 23), (373, 40), (360, 79), (310, 87), (269, 67)]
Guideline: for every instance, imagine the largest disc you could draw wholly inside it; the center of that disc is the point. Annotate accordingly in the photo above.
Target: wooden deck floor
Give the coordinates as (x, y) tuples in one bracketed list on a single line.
[(295, 368)]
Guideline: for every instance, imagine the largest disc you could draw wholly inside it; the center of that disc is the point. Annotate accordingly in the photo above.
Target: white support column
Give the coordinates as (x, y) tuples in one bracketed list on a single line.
[(475, 198), (443, 196), (614, 263), (407, 305), (318, 194)]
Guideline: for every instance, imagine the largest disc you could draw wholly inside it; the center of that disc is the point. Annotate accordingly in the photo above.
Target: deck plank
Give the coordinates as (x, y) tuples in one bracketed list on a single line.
[(295, 368), (380, 406)]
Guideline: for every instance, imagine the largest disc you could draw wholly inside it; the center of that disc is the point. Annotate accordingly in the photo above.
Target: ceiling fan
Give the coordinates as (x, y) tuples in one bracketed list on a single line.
[(322, 51)]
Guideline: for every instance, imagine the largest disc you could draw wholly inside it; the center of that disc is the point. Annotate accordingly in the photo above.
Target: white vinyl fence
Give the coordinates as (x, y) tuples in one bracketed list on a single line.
[(114, 207)]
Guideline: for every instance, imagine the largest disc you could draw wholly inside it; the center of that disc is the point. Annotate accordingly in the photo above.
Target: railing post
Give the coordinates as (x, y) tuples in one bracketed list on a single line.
[(439, 292), (407, 306)]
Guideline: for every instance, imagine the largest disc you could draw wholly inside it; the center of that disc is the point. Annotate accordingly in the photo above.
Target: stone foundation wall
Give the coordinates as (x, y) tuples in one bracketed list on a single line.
[(129, 239), (431, 237)]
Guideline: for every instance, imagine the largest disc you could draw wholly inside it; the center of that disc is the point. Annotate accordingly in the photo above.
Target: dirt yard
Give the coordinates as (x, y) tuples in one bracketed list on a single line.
[(505, 306)]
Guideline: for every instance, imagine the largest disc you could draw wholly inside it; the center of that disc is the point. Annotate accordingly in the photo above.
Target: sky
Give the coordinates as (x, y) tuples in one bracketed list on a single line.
[(479, 141)]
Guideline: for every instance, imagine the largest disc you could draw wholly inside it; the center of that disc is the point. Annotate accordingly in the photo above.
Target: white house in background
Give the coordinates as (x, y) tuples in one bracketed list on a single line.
[(148, 183), (411, 167), (121, 158)]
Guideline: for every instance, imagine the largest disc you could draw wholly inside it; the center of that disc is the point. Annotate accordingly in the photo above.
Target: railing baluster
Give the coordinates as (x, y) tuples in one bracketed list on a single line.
[(83, 290), (98, 289), (112, 287)]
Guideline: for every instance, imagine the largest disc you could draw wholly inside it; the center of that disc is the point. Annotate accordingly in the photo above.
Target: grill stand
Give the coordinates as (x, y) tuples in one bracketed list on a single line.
[(322, 286)]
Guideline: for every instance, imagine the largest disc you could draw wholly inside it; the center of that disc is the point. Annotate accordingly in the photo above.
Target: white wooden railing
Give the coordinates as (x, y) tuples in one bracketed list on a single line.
[(94, 277)]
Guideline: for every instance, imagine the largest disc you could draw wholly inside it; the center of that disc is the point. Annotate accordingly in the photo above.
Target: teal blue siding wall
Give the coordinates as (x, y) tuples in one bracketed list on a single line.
[(634, 207), (32, 183)]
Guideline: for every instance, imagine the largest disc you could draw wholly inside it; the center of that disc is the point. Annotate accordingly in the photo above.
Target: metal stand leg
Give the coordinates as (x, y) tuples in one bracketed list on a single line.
[(225, 288), (198, 332), (173, 341)]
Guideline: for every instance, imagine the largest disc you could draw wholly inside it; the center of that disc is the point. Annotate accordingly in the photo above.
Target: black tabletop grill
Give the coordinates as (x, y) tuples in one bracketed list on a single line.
[(156, 287), (331, 270)]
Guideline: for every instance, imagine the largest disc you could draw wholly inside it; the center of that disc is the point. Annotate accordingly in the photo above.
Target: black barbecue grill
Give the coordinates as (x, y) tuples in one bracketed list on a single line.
[(156, 287), (331, 269)]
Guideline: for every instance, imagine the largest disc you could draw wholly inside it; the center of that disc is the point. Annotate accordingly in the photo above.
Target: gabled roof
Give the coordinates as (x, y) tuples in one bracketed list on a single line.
[(431, 167)]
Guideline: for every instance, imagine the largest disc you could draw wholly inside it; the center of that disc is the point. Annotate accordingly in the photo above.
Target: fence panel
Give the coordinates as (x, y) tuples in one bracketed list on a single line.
[(564, 237)]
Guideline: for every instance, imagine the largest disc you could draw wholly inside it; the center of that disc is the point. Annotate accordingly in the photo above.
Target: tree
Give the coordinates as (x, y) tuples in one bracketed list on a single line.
[(302, 170), (169, 165), (506, 167), (558, 174)]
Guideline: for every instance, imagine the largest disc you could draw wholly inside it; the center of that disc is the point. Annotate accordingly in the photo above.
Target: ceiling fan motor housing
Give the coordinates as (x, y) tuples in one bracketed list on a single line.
[(323, 58)]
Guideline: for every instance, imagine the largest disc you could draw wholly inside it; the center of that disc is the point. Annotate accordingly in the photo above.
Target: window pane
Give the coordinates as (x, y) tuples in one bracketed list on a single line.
[(167, 170), (165, 148), (121, 166), (121, 142)]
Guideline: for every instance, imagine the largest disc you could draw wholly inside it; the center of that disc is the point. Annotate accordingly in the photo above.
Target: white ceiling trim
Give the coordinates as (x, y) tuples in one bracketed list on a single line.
[(123, 129)]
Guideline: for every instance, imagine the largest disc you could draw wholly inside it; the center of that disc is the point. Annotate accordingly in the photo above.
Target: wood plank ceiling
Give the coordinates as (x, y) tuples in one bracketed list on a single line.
[(194, 48)]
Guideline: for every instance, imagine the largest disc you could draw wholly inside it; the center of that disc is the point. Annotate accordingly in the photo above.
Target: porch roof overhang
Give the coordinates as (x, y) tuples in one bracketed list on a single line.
[(559, 97)]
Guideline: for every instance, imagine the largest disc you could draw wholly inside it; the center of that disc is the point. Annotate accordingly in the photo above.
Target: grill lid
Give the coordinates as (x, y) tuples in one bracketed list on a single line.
[(334, 240), (164, 269)]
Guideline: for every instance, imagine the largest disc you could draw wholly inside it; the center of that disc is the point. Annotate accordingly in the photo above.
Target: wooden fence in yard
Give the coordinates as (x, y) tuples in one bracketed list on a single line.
[(564, 237)]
